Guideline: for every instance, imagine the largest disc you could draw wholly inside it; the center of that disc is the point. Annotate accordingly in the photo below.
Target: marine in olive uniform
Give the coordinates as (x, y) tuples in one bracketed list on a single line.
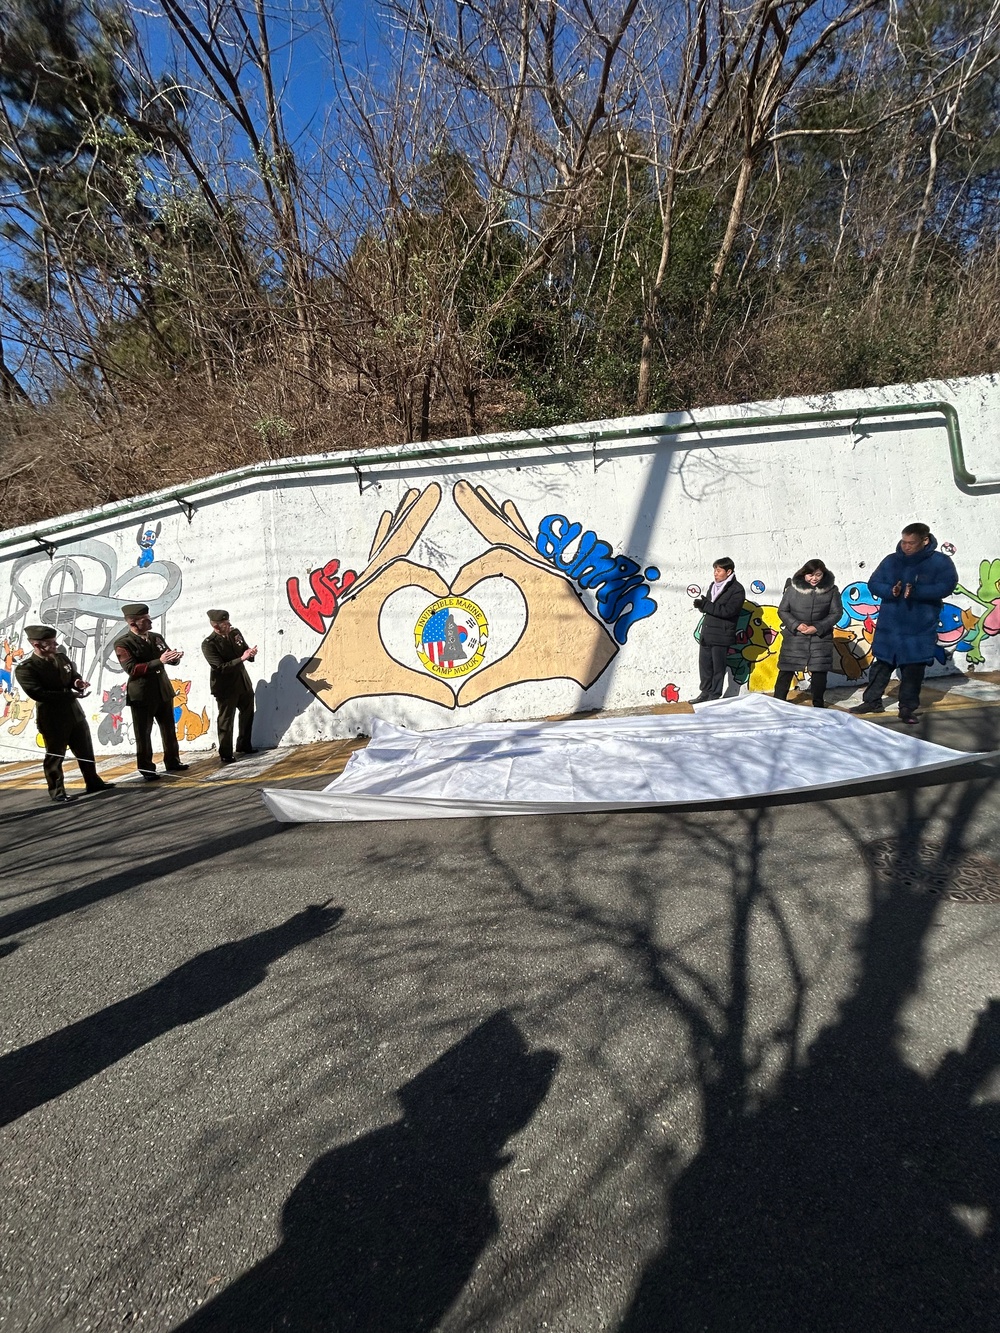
[(145, 657), (226, 651), (51, 679)]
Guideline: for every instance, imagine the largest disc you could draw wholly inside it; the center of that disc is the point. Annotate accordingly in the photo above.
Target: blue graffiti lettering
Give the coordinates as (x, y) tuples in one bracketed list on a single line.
[(622, 593)]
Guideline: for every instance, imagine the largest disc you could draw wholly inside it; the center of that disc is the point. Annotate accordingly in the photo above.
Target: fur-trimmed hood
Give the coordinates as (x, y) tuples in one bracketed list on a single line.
[(825, 583)]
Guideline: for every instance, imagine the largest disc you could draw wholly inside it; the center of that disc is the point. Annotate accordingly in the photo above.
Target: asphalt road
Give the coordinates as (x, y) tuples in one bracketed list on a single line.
[(733, 1070)]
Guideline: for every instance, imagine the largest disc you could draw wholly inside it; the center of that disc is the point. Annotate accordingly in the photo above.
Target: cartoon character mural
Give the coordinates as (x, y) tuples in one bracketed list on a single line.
[(987, 595), (753, 658), (11, 654), (187, 722), (17, 711), (542, 627), (960, 630), (146, 540), (853, 632), (79, 590), (112, 730), (952, 631)]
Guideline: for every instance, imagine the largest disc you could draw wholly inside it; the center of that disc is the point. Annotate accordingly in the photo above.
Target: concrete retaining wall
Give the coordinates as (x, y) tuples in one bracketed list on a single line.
[(524, 578)]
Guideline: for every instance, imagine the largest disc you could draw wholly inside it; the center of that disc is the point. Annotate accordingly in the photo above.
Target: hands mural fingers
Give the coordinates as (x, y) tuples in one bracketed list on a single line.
[(388, 519), (352, 660), (400, 534), (560, 640), (500, 526)]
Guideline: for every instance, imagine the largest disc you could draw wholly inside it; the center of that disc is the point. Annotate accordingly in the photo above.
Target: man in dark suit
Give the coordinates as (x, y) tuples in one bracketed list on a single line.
[(51, 679), (144, 657), (226, 651)]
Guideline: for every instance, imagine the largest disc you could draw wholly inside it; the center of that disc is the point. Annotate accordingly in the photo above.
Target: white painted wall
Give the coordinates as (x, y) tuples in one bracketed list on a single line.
[(771, 498)]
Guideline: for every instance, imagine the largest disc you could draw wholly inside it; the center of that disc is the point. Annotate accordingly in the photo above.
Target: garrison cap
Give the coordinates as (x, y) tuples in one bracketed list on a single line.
[(132, 610), (216, 616), (33, 633)]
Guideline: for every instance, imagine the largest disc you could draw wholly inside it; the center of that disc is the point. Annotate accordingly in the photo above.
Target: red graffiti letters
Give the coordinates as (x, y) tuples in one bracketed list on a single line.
[(327, 589)]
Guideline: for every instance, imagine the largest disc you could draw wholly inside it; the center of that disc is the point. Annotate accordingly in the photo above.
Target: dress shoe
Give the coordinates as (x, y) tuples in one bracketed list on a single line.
[(101, 786), (177, 768), (867, 708), (701, 699), (911, 718), (151, 777), (250, 751), (226, 759), (61, 798)]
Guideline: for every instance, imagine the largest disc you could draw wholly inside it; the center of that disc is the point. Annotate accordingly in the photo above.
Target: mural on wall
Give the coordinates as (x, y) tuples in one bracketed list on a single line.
[(987, 596), (16, 711), (327, 590), (514, 613), (12, 653), (753, 660), (189, 725), (79, 591), (113, 729), (146, 540)]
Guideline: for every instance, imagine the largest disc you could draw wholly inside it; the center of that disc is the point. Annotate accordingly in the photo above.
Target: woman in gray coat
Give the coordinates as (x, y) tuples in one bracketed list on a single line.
[(809, 610)]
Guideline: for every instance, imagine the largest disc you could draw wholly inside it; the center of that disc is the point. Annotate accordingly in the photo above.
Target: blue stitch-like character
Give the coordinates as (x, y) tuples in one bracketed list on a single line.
[(146, 539)]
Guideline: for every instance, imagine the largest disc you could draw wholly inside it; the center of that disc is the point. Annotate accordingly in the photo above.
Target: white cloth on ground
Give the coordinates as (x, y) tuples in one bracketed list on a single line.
[(749, 746)]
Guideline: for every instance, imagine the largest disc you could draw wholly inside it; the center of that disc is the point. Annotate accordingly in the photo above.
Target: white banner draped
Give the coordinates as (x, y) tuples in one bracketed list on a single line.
[(749, 746)]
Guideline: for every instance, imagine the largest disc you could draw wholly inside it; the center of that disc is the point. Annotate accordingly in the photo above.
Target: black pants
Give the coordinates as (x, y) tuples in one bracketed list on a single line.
[(142, 725), (228, 708), (712, 665), (817, 685), (79, 741), (911, 677)]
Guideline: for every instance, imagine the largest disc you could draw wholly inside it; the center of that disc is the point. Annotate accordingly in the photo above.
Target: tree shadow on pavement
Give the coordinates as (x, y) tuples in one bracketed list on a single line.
[(380, 1236), (182, 825), (52, 1066), (855, 1193)]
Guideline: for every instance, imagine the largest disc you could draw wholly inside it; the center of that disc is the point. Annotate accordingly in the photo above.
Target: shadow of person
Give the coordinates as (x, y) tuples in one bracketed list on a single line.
[(381, 1236), (47, 1068), (863, 1195), (279, 701)]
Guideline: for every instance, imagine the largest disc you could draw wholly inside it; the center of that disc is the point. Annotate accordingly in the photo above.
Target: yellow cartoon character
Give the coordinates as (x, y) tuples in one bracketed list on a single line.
[(17, 711), (189, 725), (763, 648)]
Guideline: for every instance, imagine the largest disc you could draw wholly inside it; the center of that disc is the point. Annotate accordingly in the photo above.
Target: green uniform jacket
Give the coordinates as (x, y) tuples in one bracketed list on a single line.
[(229, 675), (148, 678), (50, 681)]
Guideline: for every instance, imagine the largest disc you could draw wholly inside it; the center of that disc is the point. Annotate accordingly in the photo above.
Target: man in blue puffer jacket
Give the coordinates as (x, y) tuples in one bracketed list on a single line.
[(912, 583)]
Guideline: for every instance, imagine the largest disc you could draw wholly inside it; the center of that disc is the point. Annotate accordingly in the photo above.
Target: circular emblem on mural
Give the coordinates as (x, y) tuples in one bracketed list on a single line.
[(694, 590), (451, 637), (757, 586)]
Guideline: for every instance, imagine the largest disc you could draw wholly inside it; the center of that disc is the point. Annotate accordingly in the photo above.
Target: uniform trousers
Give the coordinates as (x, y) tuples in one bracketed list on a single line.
[(229, 706), (78, 739), (142, 725)]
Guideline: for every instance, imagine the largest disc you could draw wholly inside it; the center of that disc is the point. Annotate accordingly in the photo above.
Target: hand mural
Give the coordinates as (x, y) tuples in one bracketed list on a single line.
[(559, 638), (352, 661)]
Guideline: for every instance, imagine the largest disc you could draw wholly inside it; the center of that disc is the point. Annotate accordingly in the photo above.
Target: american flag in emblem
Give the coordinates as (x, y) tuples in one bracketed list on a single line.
[(443, 639)]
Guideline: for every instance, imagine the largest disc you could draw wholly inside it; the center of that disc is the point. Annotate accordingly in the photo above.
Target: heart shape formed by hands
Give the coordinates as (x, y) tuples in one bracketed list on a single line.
[(525, 621), (502, 616)]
